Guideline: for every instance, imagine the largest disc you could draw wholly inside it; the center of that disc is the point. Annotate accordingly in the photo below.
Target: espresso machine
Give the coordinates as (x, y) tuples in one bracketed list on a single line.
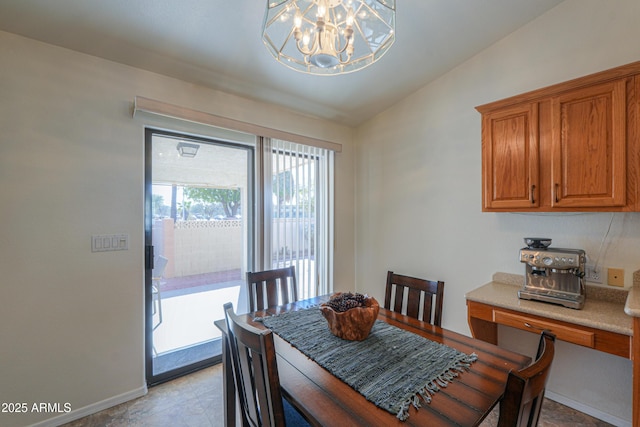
[(553, 275)]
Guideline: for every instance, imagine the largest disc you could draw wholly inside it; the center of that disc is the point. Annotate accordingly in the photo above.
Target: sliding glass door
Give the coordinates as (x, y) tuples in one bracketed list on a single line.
[(215, 209), (199, 237)]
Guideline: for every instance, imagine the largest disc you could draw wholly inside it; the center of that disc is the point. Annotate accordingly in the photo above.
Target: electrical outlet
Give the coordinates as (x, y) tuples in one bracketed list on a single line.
[(592, 274), (615, 277)]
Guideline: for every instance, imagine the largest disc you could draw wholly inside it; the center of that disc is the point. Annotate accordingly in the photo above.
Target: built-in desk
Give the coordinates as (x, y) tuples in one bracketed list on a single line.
[(606, 323)]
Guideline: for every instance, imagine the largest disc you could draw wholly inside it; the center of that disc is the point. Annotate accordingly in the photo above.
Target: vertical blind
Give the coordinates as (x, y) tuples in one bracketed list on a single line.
[(300, 213)]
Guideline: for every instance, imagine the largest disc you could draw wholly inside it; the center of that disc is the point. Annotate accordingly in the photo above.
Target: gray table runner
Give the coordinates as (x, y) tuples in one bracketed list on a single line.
[(392, 368)]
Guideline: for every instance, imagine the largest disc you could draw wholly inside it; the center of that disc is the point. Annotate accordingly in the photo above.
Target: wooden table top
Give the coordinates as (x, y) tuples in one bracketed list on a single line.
[(325, 400)]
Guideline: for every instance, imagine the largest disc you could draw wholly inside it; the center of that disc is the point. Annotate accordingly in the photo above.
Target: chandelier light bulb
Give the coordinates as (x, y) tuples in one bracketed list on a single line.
[(322, 9), (329, 36), (350, 17), (306, 39)]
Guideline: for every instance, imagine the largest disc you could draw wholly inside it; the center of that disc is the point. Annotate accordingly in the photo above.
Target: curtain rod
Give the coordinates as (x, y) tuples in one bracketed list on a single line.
[(146, 105)]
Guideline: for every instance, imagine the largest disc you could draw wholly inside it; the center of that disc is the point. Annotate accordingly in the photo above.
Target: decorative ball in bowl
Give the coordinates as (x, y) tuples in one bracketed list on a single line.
[(350, 316)]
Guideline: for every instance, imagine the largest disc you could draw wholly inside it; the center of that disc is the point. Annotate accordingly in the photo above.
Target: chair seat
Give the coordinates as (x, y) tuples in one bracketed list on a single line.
[(292, 417)]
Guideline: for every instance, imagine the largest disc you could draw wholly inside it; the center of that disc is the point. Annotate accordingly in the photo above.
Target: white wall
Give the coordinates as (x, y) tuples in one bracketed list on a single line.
[(418, 171), (71, 165)]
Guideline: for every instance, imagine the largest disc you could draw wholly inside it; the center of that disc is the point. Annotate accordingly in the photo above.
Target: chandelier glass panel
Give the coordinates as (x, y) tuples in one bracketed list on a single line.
[(329, 36)]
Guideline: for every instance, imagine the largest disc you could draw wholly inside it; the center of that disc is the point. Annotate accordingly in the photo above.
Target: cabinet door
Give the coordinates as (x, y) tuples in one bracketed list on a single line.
[(510, 158), (589, 147)]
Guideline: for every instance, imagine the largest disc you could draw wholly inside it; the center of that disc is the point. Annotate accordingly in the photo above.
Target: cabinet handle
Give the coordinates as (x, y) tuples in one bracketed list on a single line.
[(530, 326), (533, 189), (555, 192)]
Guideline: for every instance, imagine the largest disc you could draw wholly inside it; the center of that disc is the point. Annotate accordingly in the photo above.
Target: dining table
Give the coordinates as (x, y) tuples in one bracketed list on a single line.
[(325, 400)]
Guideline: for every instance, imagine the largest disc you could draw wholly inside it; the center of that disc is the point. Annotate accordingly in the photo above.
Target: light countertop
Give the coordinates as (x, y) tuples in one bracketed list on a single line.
[(605, 308), (632, 307)]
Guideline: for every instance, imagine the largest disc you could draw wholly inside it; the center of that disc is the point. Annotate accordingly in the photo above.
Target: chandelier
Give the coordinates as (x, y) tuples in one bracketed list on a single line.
[(329, 36)]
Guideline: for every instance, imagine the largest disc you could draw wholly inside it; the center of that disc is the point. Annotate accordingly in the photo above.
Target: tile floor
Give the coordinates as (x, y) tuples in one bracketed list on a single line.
[(554, 414), (196, 400)]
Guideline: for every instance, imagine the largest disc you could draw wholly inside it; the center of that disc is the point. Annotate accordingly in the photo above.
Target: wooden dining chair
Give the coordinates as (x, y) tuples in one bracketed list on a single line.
[(422, 293), (522, 400), (271, 288), (256, 377)]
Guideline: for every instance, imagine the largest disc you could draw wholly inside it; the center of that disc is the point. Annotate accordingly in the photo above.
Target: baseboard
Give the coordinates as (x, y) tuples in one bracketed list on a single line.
[(611, 419), (93, 408)]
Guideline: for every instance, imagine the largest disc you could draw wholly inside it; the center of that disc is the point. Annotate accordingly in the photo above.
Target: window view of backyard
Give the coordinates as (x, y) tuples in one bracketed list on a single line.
[(204, 252)]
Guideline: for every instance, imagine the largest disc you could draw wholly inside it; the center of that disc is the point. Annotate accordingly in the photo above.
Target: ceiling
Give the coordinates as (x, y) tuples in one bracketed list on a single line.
[(217, 44)]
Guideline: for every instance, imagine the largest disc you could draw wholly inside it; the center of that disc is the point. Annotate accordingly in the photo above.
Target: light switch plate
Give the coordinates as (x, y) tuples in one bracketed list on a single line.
[(109, 242)]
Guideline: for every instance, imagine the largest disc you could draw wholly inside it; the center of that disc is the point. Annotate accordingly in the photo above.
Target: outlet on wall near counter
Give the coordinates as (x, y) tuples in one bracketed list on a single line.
[(615, 277), (592, 273)]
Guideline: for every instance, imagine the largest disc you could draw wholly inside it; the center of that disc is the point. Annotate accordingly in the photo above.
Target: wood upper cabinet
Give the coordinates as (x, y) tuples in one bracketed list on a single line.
[(569, 147), (589, 147), (510, 157)]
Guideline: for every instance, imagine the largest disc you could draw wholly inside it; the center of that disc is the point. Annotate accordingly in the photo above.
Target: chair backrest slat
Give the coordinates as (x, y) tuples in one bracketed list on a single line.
[(273, 292), (279, 286), (413, 302), (399, 297), (430, 291)]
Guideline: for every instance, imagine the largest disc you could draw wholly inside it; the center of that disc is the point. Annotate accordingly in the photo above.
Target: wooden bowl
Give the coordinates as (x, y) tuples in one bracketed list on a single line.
[(353, 324)]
